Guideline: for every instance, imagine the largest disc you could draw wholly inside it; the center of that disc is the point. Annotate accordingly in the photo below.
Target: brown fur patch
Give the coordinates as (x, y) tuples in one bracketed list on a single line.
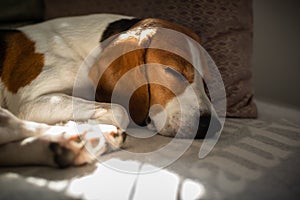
[(21, 64)]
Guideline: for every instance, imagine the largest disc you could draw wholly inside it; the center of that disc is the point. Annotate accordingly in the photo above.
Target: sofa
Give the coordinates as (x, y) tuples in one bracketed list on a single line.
[(256, 156)]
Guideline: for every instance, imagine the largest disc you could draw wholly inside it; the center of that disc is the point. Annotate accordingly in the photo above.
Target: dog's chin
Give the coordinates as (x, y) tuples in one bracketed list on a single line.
[(176, 127)]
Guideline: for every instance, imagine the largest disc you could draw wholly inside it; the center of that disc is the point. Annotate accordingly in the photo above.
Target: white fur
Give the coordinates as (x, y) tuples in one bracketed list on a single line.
[(181, 114)]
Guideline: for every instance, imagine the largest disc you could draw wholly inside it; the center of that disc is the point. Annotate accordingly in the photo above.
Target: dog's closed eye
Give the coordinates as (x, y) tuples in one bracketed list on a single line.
[(175, 73)]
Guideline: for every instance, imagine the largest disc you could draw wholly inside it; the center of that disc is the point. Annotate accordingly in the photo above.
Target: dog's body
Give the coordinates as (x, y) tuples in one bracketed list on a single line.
[(39, 65)]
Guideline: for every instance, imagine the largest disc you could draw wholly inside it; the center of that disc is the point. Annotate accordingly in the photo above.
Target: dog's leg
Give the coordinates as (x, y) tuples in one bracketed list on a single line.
[(56, 108), (13, 129), (52, 145), (53, 109)]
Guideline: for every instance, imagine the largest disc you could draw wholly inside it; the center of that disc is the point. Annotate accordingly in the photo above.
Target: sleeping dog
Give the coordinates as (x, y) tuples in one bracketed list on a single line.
[(39, 65)]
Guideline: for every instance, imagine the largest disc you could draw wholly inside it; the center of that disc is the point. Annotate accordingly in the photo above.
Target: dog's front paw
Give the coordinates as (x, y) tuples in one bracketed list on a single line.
[(80, 144), (70, 150), (63, 157)]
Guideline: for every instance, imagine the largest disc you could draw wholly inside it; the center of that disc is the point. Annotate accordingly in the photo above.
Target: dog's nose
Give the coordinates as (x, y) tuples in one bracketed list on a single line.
[(206, 122)]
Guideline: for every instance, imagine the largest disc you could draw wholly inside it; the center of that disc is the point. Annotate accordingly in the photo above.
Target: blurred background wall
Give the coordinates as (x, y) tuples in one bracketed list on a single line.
[(276, 62)]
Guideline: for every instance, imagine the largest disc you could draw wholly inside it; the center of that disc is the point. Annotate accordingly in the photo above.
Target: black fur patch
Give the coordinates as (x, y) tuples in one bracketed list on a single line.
[(118, 27)]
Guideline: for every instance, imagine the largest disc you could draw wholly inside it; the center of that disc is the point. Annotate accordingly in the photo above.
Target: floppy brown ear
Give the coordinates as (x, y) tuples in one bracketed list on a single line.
[(120, 56)]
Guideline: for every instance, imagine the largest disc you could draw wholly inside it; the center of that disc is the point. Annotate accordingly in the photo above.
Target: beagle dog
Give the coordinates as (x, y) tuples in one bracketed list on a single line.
[(40, 64)]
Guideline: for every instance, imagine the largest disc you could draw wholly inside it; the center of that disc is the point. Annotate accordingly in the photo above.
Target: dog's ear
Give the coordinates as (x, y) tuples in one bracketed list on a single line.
[(120, 71)]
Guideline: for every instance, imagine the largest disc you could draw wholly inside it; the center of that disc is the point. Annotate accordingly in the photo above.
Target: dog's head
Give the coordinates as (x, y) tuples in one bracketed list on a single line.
[(149, 71)]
